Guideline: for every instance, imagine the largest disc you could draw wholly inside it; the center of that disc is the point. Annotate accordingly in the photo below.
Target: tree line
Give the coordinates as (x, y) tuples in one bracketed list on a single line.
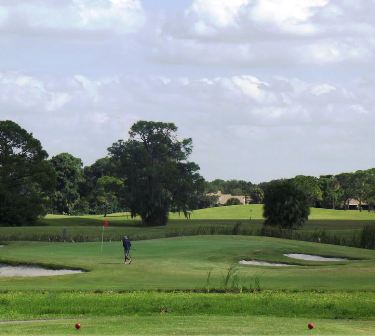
[(326, 191), (148, 175)]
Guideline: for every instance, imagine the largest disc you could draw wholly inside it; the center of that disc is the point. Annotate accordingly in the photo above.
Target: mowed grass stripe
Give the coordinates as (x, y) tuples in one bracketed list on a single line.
[(191, 325)]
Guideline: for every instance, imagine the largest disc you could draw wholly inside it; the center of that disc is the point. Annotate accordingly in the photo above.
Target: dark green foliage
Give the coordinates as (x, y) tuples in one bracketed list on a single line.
[(310, 185), (256, 195), (233, 187), (26, 178), (207, 201), (107, 189), (233, 201), (158, 178), (285, 205), (69, 176)]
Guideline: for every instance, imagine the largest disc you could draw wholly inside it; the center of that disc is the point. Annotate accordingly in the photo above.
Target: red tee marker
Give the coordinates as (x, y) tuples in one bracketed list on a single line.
[(311, 326), (105, 224), (78, 326)]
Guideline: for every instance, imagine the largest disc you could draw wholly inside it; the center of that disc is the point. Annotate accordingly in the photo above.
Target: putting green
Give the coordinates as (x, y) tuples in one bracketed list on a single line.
[(189, 325), (185, 263)]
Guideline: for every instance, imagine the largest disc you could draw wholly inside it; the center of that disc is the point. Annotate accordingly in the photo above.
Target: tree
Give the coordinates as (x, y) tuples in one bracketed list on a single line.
[(330, 187), (285, 205), (257, 195), (26, 177), (157, 174), (107, 189), (310, 185), (69, 175)]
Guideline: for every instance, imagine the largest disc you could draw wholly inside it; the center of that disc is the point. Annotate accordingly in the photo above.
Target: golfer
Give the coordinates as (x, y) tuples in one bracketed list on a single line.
[(127, 245)]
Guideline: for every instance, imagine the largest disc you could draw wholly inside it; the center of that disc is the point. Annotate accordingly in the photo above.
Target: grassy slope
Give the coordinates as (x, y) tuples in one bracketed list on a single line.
[(185, 262), (255, 211)]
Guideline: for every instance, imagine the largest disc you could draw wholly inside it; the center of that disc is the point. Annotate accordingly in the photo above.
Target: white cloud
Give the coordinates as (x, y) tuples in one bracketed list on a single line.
[(20, 92), (245, 120), (271, 32), (218, 13), (120, 16), (289, 15)]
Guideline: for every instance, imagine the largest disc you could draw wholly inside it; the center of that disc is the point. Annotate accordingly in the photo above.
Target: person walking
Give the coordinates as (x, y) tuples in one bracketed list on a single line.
[(127, 245)]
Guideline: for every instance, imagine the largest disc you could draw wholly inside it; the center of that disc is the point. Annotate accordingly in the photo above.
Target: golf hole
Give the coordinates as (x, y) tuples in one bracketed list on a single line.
[(262, 263), (33, 271), (310, 257)]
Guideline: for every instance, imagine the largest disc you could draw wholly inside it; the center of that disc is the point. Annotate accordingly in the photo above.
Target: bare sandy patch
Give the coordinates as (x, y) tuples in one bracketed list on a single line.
[(311, 257), (262, 263), (32, 271)]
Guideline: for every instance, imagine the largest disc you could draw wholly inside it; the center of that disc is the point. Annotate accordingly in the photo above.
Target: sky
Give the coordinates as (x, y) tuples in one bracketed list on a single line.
[(265, 88)]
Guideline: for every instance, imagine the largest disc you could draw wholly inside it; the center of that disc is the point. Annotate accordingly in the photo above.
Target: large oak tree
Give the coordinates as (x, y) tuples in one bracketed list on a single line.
[(158, 177), (26, 177)]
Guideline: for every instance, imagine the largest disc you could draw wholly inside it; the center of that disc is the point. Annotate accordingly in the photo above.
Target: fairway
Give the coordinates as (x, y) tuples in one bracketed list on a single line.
[(185, 263), (255, 211), (234, 212)]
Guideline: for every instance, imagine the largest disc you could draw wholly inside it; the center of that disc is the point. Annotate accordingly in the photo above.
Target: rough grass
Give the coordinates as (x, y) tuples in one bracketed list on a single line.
[(339, 305)]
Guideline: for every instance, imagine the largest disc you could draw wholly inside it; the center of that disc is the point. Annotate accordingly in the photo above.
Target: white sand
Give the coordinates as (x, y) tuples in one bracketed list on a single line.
[(262, 263), (312, 257), (32, 271)]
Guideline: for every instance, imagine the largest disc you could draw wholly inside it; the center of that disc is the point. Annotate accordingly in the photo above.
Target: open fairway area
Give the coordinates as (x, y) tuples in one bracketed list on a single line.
[(186, 263), (189, 286)]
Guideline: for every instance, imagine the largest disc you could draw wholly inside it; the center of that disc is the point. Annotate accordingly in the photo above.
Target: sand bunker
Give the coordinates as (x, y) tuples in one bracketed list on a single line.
[(312, 257), (32, 271), (262, 263)]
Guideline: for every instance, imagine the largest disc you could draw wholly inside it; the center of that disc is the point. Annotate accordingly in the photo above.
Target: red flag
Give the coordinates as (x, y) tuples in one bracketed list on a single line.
[(105, 224)]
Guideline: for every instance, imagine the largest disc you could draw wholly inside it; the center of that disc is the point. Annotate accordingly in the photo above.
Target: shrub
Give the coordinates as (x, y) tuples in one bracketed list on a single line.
[(233, 201), (285, 205)]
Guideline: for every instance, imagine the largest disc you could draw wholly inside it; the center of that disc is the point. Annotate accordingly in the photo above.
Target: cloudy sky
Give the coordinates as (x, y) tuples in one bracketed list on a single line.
[(266, 88)]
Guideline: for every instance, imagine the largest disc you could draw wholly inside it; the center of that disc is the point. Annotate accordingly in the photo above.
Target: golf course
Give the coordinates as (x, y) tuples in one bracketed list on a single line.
[(190, 285)]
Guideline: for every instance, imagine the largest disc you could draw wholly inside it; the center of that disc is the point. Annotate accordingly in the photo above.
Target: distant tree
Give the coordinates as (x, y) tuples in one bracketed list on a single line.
[(26, 177), (257, 195), (207, 201), (310, 185), (215, 186), (331, 190), (158, 176), (233, 201), (69, 175), (346, 182), (107, 189), (285, 205), (91, 174), (94, 194)]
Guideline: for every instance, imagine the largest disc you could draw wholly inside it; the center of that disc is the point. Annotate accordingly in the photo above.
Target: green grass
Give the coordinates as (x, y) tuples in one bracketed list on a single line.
[(167, 291), (190, 325), (337, 305), (255, 211), (184, 263), (234, 212)]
